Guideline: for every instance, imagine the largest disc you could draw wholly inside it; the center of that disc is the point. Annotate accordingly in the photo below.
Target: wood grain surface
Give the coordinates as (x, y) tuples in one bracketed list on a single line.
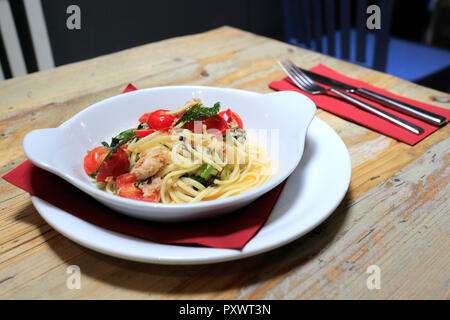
[(395, 214)]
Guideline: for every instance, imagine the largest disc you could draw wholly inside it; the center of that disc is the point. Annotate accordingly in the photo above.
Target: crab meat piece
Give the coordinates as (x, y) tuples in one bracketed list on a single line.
[(152, 189), (109, 179), (150, 163)]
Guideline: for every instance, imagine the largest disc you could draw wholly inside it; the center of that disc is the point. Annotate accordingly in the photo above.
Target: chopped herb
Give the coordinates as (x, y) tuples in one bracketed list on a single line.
[(206, 182), (205, 171), (115, 188), (137, 184), (199, 111), (141, 125), (203, 181), (227, 172), (104, 143), (238, 134)]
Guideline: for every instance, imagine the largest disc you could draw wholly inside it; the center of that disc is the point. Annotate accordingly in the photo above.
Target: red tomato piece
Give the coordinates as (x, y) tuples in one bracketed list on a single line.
[(215, 122), (143, 133), (127, 189), (160, 120), (144, 117), (125, 183), (93, 159), (232, 118), (117, 164), (137, 194), (151, 198), (114, 166), (124, 180)]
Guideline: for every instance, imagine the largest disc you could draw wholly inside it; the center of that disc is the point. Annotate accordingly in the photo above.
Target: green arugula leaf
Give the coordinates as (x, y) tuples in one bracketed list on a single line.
[(140, 126), (199, 111), (123, 137)]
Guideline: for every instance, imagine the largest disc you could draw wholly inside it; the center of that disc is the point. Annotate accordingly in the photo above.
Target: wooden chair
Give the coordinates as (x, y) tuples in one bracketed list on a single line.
[(39, 36)]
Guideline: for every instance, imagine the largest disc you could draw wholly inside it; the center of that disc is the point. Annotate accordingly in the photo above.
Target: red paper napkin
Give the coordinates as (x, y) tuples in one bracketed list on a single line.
[(350, 112), (231, 231)]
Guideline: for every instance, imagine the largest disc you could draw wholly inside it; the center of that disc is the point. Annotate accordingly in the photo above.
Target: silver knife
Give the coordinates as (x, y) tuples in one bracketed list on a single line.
[(405, 108)]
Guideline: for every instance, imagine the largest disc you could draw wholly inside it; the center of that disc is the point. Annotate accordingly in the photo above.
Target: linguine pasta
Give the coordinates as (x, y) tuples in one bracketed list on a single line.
[(187, 162)]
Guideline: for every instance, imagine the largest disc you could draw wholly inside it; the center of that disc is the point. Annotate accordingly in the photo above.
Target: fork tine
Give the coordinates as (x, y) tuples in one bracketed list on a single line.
[(301, 74), (307, 86), (291, 66), (286, 68), (312, 86), (300, 83), (294, 76), (304, 76)]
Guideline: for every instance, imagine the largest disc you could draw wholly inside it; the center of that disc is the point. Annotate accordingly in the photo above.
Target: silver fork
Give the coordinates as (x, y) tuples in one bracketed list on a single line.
[(307, 84)]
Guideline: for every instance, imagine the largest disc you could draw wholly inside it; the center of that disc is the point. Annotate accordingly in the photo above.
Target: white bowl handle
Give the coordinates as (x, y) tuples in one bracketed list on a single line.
[(40, 145)]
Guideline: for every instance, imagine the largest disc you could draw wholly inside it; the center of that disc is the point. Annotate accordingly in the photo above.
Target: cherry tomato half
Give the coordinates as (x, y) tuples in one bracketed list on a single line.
[(143, 133), (114, 166), (125, 179), (144, 117), (214, 122), (125, 184), (93, 159), (160, 120), (233, 119)]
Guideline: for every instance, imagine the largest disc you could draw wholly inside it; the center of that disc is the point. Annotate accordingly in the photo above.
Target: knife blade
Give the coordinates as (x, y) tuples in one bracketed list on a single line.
[(419, 113)]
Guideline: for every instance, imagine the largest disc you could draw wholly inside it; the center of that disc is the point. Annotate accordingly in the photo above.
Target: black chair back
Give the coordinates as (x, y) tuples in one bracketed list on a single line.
[(313, 24)]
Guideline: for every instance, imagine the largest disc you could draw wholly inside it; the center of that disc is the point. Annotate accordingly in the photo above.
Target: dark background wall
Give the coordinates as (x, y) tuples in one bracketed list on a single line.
[(112, 25)]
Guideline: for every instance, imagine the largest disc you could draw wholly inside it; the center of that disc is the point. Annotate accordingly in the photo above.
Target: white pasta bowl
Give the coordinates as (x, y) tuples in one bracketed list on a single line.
[(284, 116)]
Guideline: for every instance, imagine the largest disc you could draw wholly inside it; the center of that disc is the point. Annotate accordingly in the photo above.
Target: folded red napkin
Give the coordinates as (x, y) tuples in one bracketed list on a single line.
[(231, 231), (350, 112)]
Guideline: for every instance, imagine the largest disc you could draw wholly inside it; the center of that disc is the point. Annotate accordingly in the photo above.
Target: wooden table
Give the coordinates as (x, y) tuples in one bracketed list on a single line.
[(395, 214)]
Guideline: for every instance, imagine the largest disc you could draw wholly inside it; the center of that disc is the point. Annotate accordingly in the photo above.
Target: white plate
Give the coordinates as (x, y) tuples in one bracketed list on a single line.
[(311, 194), (283, 116)]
